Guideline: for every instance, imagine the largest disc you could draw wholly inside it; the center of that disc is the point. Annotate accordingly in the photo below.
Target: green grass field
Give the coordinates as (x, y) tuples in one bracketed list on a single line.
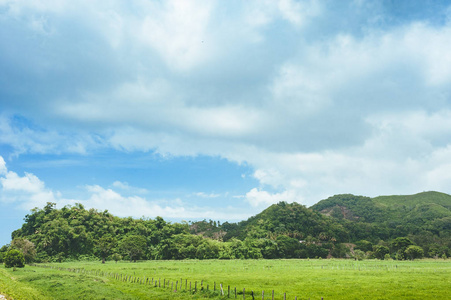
[(304, 279)]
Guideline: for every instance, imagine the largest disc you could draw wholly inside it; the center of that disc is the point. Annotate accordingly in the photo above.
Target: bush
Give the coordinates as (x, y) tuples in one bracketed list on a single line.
[(413, 252), (26, 247), (14, 258), (380, 251), (359, 255), (116, 257)]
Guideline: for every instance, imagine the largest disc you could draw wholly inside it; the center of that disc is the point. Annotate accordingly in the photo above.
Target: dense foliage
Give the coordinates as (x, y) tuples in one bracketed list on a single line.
[(424, 218), (14, 258), (341, 226)]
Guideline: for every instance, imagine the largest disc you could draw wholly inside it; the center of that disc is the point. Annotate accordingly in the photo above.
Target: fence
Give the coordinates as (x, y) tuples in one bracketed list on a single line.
[(182, 285)]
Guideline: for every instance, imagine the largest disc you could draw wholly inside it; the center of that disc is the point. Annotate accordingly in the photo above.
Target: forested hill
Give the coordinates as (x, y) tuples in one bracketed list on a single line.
[(419, 209), (293, 220), (424, 217), (337, 227)]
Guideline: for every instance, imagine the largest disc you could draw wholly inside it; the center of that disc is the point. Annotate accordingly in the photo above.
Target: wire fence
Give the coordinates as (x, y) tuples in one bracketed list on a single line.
[(182, 285)]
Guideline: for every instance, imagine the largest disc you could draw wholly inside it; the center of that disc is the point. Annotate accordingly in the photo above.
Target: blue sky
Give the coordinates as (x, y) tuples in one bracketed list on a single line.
[(193, 109)]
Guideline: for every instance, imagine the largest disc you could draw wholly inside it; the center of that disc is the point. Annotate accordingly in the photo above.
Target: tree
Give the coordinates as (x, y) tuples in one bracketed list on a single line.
[(14, 258), (26, 247), (401, 243), (379, 251), (104, 246), (116, 257), (287, 246), (3, 251), (134, 246), (364, 245), (413, 252), (359, 254)]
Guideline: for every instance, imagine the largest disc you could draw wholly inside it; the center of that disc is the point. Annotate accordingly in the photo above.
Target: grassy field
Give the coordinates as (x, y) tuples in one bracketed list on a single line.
[(304, 279)]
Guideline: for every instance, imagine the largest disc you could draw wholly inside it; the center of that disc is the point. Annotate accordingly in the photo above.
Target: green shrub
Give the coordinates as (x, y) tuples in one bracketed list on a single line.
[(413, 252), (14, 258)]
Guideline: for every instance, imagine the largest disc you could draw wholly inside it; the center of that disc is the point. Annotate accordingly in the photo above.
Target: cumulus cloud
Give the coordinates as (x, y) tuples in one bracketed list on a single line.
[(28, 192), (3, 169), (260, 198), (315, 103)]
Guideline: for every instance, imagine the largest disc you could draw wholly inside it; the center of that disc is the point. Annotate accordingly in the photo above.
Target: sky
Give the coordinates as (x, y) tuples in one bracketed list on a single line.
[(195, 110)]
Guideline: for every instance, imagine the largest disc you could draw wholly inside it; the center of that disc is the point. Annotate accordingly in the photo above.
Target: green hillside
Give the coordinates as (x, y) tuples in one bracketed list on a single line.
[(425, 217), (414, 200), (294, 220), (330, 228), (422, 207)]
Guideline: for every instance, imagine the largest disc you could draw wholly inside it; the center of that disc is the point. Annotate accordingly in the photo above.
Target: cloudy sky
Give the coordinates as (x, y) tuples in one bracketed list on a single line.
[(218, 109)]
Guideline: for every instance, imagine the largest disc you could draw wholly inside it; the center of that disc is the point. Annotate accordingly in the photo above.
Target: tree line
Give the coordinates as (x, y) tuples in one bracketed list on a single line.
[(281, 231)]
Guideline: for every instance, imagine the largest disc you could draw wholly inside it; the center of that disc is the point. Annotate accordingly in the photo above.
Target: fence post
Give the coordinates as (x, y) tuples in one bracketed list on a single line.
[(272, 294), (263, 295), (284, 296), (244, 293)]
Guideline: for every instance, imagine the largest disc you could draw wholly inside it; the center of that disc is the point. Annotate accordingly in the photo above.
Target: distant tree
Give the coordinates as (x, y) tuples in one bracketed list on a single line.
[(339, 250), (287, 246), (359, 254), (14, 258), (3, 251), (364, 245), (26, 247), (401, 243), (379, 251), (104, 246), (134, 246), (413, 252), (116, 257)]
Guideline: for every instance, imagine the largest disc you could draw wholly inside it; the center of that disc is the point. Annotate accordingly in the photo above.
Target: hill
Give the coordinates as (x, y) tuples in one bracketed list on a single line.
[(332, 227), (294, 220), (424, 217)]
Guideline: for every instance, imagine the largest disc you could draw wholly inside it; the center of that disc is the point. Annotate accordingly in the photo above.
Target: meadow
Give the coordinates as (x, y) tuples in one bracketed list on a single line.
[(292, 279)]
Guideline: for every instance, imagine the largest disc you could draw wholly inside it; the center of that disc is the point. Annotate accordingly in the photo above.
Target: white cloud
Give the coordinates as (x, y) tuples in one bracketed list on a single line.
[(124, 186), (260, 198), (406, 154), (29, 191), (3, 169), (178, 31), (298, 12), (26, 138), (316, 108), (205, 195)]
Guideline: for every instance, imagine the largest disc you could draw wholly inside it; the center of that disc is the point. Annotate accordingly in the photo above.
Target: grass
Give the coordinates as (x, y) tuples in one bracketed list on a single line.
[(304, 279)]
